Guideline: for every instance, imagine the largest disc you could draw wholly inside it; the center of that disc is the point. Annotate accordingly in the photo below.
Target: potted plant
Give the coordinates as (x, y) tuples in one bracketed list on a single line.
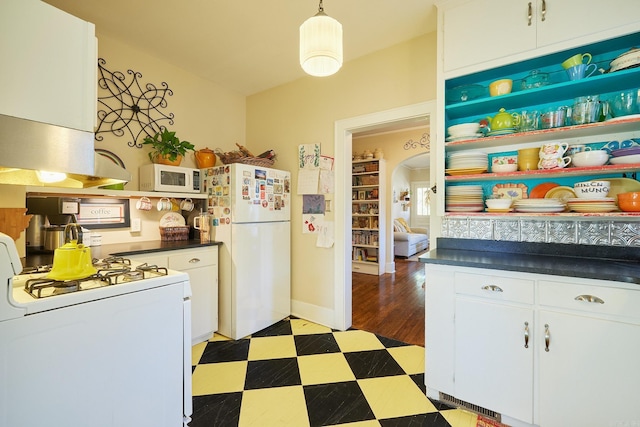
[(167, 148)]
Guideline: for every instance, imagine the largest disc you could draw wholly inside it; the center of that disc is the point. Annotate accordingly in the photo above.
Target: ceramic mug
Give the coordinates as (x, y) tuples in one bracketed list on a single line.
[(553, 150), (164, 204), (553, 163), (576, 59), (186, 205), (144, 204), (581, 71)]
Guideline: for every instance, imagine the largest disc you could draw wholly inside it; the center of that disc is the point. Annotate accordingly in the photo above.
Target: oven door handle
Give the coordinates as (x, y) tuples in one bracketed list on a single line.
[(186, 388)]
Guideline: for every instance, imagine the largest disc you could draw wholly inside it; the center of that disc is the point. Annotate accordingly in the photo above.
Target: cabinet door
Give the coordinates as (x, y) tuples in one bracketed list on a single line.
[(484, 30), (493, 367), (439, 330), (202, 268), (50, 65), (590, 375), (572, 19)]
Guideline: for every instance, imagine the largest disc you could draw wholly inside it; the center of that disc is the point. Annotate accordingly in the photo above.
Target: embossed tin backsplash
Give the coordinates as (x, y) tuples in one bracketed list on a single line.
[(584, 232)]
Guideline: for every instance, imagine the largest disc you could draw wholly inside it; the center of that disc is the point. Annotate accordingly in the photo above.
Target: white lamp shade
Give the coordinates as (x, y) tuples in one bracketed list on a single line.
[(321, 45)]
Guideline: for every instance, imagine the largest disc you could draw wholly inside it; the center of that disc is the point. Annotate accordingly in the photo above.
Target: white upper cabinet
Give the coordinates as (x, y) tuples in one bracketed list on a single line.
[(49, 70), (574, 19), (485, 30)]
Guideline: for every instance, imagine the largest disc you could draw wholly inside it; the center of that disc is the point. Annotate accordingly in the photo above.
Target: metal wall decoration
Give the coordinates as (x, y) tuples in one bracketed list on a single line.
[(132, 107), (424, 142)]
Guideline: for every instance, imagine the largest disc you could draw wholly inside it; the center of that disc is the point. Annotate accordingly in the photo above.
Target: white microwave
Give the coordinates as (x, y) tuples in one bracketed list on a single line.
[(155, 177)]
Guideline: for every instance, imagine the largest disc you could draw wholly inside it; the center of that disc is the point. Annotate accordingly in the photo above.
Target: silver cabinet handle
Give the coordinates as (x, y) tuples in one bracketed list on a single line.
[(526, 334), (544, 9), (492, 288), (589, 298), (194, 260), (529, 15), (547, 337)]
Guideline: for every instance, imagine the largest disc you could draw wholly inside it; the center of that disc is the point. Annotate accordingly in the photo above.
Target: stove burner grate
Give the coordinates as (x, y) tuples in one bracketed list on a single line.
[(109, 262), (153, 268), (110, 271), (37, 269), (35, 287)]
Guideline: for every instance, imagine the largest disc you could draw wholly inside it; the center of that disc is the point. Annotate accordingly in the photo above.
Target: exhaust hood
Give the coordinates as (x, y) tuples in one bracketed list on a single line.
[(27, 147)]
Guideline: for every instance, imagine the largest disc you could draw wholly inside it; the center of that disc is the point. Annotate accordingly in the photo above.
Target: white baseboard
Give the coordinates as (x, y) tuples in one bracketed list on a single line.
[(390, 267), (320, 315)]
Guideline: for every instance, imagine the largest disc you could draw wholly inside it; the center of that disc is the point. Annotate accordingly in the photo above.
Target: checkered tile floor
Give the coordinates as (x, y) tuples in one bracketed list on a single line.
[(297, 373)]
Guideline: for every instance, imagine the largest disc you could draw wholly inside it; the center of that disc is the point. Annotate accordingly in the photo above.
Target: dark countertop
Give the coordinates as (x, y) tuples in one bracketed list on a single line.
[(621, 264), (121, 249)]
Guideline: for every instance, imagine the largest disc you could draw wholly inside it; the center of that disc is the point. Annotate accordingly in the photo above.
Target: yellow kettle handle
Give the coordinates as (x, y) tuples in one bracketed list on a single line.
[(73, 232)]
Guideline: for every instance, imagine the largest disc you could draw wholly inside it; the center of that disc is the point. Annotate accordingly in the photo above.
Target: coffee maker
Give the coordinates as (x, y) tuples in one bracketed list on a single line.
[(50, 215)]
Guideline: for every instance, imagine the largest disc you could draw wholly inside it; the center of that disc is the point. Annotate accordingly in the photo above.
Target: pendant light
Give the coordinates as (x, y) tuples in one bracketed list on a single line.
[(321, 44)]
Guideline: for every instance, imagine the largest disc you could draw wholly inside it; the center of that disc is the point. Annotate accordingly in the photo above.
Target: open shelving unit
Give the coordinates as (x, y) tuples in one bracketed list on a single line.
[(559, 92), (367, 216)]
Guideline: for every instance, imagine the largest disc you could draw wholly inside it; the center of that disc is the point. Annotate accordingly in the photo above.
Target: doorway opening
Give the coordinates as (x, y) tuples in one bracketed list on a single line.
[(344, 130)]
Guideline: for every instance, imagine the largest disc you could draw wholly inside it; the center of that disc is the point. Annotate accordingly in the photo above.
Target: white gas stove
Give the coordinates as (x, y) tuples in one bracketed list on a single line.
[(86, 345), (35, 292)]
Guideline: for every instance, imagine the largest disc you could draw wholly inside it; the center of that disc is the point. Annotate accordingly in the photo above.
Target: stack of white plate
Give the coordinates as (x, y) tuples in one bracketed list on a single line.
[(463, 131), (467, 162), (604, 204), (539, 205), (464, 198)]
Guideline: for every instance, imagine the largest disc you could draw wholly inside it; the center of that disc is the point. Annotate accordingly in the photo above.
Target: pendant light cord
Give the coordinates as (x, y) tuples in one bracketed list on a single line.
[(320, 8)]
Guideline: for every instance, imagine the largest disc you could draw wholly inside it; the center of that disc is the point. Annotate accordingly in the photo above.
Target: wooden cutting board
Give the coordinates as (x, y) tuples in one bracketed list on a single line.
[(13, 221)]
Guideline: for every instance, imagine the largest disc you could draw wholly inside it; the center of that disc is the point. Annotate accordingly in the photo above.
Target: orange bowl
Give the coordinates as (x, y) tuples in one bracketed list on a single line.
[(629, 202)]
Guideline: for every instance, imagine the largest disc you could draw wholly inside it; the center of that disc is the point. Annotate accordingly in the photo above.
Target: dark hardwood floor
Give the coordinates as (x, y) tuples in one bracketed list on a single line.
[(391, 305)]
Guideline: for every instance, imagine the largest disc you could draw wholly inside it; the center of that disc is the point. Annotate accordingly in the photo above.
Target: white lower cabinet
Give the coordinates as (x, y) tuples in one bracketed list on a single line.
[(493, 367), (501, 327), (202, 266), (589, 376)]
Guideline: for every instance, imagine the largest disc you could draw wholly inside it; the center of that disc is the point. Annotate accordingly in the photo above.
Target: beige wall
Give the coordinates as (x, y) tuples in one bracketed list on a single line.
[(301, 112), (205, 114), (395, 150), (305, 111)]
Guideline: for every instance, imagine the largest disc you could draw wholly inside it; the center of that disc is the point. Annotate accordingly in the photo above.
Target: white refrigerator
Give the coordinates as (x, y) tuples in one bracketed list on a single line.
[(251, 210)]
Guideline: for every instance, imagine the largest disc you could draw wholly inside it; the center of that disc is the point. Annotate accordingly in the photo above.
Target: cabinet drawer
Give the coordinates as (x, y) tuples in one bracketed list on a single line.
[(185, 260), (594, 299), (500, 288)]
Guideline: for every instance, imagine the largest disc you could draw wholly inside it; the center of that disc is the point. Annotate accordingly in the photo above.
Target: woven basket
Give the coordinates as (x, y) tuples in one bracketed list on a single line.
[(238, 157), (256, 161), (174, 233)]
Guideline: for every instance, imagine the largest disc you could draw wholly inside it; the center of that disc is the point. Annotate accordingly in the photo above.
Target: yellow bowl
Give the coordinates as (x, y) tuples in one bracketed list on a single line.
[(500, 87)]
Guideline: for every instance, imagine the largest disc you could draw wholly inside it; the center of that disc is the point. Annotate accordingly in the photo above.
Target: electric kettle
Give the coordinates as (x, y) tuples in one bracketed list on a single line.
[(72, 261)]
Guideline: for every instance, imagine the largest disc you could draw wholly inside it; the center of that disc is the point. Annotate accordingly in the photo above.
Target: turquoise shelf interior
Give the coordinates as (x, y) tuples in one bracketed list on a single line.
[(560, 91)]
